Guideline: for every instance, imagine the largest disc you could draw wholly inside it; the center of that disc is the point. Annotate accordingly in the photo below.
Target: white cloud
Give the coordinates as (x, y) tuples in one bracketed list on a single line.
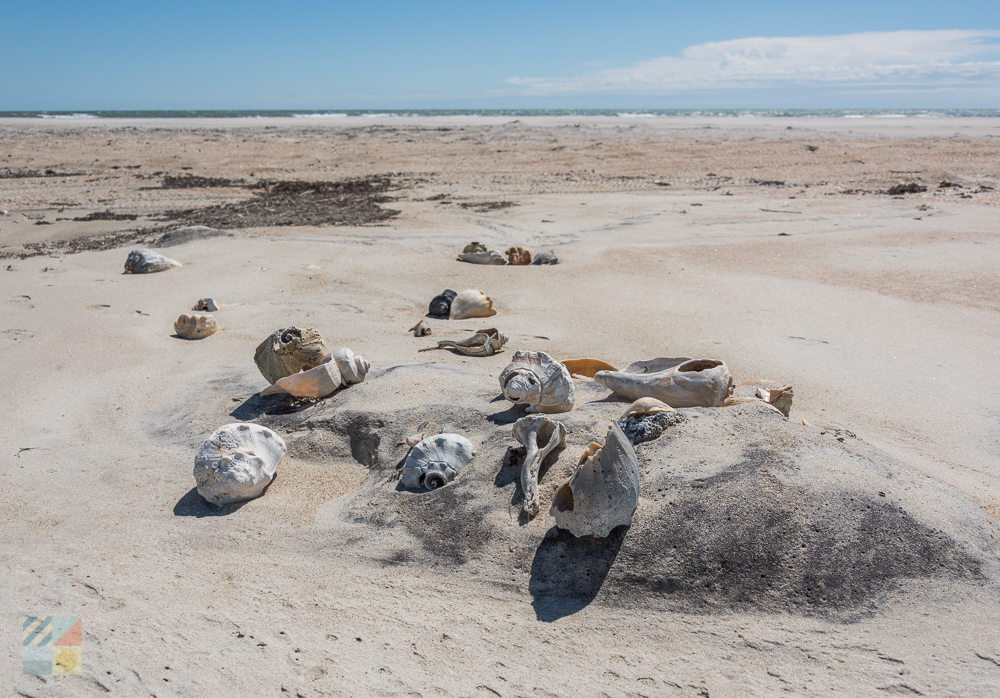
[(907, 59)]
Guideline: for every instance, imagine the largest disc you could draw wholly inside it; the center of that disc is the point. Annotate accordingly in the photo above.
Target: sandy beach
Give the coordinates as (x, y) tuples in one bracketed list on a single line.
[(854, 259)]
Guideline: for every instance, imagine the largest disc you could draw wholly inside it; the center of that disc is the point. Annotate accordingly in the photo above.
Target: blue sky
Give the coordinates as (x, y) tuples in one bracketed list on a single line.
[(102, 55)]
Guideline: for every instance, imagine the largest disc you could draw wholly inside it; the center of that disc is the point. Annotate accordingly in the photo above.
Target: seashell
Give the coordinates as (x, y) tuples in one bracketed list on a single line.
[(148, 262), (237, 462), (436, 461), (471, 303), (441, 305), (195, 326), (532, 432), (677, 381), (414, 439), (474, 247), (646, 405), (779, 398), (603, 492), (483, 343), (421, 329), (518, 255), (545, 258), (535, 379), (288, 351), (206, 304), (488, 257), (586, 367), (320, 381), (353, 368), (639, 428)]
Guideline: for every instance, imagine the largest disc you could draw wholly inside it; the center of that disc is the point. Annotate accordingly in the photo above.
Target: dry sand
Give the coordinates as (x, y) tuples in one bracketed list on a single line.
[(770, 244)]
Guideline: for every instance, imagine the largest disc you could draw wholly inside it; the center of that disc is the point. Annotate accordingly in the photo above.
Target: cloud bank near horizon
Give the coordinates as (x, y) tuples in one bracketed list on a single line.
[(907, 60)]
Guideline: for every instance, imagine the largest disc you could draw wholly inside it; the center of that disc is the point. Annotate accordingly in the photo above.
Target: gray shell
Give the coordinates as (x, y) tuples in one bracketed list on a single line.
[(148, 262), (206, 305), (677, 381), (540, 436), (545, 258), (488, 257), (535, 379), (288, 351), (436, 461), (485, 342), (237, 462)]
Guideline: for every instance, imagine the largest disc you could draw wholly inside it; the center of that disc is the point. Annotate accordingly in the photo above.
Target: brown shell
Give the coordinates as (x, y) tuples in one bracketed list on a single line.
[(289, 351), (587, 367), (518, 255)]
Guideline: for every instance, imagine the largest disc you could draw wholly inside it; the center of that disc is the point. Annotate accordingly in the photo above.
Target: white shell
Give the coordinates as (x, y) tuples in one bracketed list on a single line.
[(471, 303), (148, 262), (488, 257), (646, 405), (195, 326), (206, 304), (353, 368), (436, 461), (779, 398), (288, 351), (237, 462), (531, 432), (535, 379), (603, 492), (341, 368), (677, 381)]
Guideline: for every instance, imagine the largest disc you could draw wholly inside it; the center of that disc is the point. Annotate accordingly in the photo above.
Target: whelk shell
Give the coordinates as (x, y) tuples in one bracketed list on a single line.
[(540, 436), (341, 368), (535, 379), (440, 305), (288, 351), (195, 326), (237, 462), (483, 343), (436, 461), (148, 262), (470, 304), (518, 255), (677, 381)]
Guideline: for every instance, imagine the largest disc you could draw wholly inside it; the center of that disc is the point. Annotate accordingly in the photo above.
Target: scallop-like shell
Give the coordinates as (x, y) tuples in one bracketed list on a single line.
[(288, 351), (603, 492), (237, 462), (195, 326), (474, 247), (586, 367), (545, 258), (421, 329), (518, 255), (471, 303), (488, 257), (148, 262), (206, 305), (440, 305), (485, 342), (540, 436), (646, 405), (535, 379), (436, 461), (677, 381)]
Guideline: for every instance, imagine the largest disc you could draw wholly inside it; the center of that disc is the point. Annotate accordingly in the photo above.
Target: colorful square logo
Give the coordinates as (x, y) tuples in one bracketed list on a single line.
[(52, 645)]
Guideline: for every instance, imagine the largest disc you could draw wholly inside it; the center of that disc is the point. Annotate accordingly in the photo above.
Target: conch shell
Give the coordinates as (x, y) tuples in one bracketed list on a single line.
[(488, 257), (195, 326), (677, 381), (341, 368), (603, 492), (483, 343), (421, 329), (471, 303), (531, 432), (586, 367), (518, 255), (237, 462), (545, 258), (436, 461), (288, 351), (535, 379), (148, 262), (440, 305)]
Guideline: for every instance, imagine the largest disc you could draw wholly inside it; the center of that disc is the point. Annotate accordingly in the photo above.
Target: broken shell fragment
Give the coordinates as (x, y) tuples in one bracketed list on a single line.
[(488, 257), (474, 247), (436, 461), (353, 367), (646, 405), (237, 462), (540, 436), (206, 305), (780, 398), (483, 343), (317, 382), (545, 258), (677, 381), (148, 262), (195, 326), (535, 379), (518, 255), (470, 304), (603, 492), (414, 439), (586, 367), (421, 329), (288, 351), (441, 305)]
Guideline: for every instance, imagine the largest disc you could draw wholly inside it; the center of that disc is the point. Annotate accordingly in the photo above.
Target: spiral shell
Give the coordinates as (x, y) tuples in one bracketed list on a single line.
[(148, 262), (288, 351), (436, 461), (353, 367), (471, 303), (237, 462), (535, 379), (195, 326), (440, 305), (474, 247)]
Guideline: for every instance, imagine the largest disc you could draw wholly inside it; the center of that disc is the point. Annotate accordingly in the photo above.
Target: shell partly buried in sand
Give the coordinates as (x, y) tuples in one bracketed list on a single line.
[(440, 305), (470, 304), (535, 379), (436, 461), (677, 381), (603, 492), (342, 368), (288, 351), (206, 305), (644, 406), (488, 257), (586, 367), (474, 247), (486, 342), (421, 329), (148, 262), (195, 326), (518, 255), (237, 462), (540, 436), (545, 258)]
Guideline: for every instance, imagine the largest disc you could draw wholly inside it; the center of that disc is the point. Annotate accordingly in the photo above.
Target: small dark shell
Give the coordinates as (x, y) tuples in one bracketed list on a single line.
[(545, 258), (441, 305)]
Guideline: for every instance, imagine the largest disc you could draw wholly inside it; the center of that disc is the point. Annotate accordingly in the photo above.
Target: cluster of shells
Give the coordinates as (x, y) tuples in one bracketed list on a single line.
[(478, 253)]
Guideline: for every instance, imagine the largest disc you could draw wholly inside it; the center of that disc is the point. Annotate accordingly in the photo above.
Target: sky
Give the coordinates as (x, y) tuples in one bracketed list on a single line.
[(438, 54)]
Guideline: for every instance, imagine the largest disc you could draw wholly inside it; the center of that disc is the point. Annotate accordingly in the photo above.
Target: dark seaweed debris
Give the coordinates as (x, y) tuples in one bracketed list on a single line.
[(908, 188)]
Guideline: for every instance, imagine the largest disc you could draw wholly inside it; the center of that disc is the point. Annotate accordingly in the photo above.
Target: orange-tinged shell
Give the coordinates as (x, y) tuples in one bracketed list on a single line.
[(518, 255), (587, 367)]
